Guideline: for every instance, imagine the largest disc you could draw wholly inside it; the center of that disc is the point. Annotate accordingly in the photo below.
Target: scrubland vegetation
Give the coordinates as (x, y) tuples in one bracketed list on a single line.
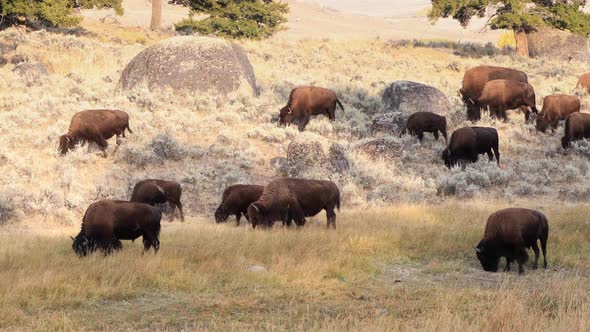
[(401, 257)]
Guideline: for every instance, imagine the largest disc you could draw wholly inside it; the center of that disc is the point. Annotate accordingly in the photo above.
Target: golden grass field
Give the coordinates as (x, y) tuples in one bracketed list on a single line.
[(401, 257)]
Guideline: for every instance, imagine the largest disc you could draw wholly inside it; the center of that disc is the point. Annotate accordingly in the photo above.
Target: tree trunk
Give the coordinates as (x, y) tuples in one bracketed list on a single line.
[(522, 43), (156, 14)]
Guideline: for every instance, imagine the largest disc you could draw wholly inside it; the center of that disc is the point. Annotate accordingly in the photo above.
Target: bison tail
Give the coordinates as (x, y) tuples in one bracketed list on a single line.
[(339, 104), (129, 129)]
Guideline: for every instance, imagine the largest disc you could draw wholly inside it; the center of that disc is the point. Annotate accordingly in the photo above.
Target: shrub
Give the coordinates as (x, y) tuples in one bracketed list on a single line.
[(6, 208)]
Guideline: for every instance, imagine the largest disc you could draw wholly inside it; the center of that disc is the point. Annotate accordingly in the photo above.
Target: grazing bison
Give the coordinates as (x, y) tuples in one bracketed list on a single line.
[(289, 199), (154, 192), (476, 78), (577, 127), (235, 200), (509, 233), (503, 95), (468, 143), (106, 222), (556, 108), (305, 101), (584, 82), (426, 122), (95, 126)]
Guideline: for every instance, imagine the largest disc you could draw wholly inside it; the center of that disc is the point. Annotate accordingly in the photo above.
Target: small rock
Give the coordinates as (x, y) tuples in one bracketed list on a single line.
[(257, 268)]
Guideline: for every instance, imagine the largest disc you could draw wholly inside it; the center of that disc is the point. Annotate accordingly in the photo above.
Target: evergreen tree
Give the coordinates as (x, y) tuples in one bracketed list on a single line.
[(234, 18), (57, 13), (520, 16)]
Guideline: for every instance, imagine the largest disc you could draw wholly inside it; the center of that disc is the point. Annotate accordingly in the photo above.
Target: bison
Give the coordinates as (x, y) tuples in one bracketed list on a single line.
[(106, 222), (556, 108), (476, 78), (289, 199), (584, 82), (503, 95), (154, 192), (509, 233), (94, 126), (577, 127), (305, 101), (426, 122), (468, 143), (235, 200)]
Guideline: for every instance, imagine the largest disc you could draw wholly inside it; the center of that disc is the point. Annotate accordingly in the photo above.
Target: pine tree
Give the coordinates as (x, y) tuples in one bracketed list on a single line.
[(56, 13), (234, 18), (520, 16)]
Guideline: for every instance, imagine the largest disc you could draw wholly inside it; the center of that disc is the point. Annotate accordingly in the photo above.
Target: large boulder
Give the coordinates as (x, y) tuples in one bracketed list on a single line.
[(191, 65), (380, 148), (309, 152), (558, 44), (403, 98), (34, 69)]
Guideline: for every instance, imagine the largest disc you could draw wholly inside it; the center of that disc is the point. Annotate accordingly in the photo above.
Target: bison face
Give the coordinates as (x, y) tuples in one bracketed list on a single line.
[(221, 215), (66, 143), (285, 116), (542, 124), (255, 214), (80, 245), (489, 261)]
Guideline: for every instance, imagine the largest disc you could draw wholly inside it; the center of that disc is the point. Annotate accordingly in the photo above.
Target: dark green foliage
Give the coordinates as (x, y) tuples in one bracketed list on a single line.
[(234, 19), (518, 15), (56, 13)]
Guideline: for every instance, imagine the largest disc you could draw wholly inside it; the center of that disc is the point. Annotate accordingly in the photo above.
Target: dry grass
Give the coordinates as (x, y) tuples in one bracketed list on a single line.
[(405, 267)]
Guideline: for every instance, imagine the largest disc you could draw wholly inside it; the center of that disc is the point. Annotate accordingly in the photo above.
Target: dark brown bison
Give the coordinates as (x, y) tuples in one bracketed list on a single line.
[(426, 122), (235, 200), (468, 143), (94, 126), (584, 82), (289, 199), (107, 222), (577, 127), (305, 101), (476, 78), (503, 95), (556, 108), (154, 192), (509, 233)]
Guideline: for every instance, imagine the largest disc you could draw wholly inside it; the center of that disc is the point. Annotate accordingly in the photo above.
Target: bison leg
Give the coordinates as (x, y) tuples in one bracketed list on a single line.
[(444, 133), (150, 240), (521, 258), (536, 250), (490, 155), (508, 262), (303, 123), (332, 113), (435, 133), (238, 217), (297, 214), (420, 135), (331, 216)]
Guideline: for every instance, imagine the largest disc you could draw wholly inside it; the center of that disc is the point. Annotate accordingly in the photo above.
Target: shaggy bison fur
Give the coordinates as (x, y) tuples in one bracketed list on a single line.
[(468, 143), (106, 222), (305, 101), (289, 199), (235, 200), (154, 192), (555, 109), (577, 127), (476, 78), (94, 126), (426, 122), (509, 233)]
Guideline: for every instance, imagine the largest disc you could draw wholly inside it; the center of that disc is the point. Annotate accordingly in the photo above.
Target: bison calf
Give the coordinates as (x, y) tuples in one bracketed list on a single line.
[(468, 143), (94, 126), (235, 200), (509, 233), (154, 192), (577, 127), (426, 122), (305, 101), (107, 222), (584, 82), (556, 108), (289, 199)]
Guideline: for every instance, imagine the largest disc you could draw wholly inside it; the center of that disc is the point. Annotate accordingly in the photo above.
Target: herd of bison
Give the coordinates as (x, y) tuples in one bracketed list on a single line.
[(508, 233)]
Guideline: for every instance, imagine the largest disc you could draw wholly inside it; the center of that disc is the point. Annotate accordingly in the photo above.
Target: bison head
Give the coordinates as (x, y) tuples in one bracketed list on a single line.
[(488, 259), (446, 157), (80, 245), (66, 143), (255, 214), (542, 123), (221, 215), (285, 116)]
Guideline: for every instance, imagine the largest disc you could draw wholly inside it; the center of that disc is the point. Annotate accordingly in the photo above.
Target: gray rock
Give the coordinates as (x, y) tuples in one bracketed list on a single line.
[(35, 69), (7, 46), (381, 148), (558, 44), (257, 268), (338, 159), (192, 65), (310, 151), (281, 165)]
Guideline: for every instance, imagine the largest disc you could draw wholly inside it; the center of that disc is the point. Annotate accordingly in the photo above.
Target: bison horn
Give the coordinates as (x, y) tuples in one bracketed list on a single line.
[(256, 207), (290, 110), (471, 100), (478, 250), (72, 238)]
